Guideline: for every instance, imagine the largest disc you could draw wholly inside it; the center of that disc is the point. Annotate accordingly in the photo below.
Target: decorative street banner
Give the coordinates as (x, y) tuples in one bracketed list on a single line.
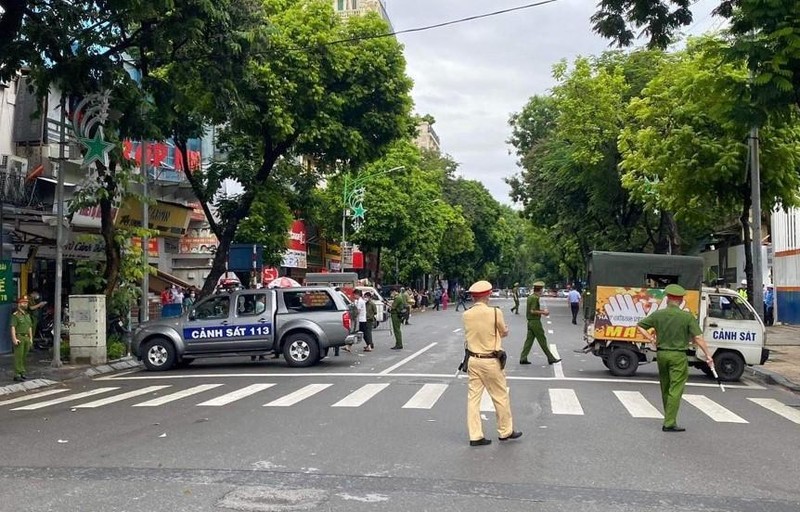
[(8, 292), (161, 154), (168, 218), (295, 255), (620, 309), (152, 245)]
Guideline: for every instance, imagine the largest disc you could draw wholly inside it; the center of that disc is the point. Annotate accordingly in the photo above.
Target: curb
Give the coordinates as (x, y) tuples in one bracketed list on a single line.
[(770, 377), (125, 363)]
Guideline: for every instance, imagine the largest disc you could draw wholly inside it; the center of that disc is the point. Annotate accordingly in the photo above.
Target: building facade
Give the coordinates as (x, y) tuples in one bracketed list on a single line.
[(786, 265), (427, 138), (359, 7)]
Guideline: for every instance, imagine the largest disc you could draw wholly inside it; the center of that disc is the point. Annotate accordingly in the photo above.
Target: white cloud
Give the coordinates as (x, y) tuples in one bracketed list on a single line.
[(472, 76)]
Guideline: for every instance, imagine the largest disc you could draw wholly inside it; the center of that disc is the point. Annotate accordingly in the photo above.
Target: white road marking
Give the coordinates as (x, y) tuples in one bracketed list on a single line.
[(68, 398), (565, 401), (713, 410), (177, 396), (426, 397), (33, 396), (486, 402), (549, 331), (750, 386), (235, 395), (558, 370), (457, 330), (407, 359), (637, 405), (119, 398), (549, 322), (778, 408), (299, 395), (358, 397)]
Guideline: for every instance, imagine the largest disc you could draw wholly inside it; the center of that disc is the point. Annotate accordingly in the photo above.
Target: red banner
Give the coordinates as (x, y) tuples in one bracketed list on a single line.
[(157, 152), (152, 245)]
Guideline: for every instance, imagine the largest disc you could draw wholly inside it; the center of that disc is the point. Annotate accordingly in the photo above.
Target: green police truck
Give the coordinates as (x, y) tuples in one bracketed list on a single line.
[(623, 288)]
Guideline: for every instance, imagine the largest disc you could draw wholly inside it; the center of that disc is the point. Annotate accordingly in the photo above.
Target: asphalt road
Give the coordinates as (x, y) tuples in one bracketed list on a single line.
[(387, 431)]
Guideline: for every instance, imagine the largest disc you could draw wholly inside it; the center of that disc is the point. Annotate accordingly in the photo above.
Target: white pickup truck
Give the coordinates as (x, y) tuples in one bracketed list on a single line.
[(624, 288)]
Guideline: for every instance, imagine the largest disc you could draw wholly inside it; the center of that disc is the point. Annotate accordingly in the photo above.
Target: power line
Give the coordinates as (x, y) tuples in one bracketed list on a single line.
[(439, 25)]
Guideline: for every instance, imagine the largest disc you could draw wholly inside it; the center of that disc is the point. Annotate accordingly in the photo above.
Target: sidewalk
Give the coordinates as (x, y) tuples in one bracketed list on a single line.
[(41, 374), (783, 366)]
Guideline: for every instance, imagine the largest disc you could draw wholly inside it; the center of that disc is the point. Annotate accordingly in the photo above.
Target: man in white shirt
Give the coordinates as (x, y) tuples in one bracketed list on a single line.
[(361, 305), (574, 298)]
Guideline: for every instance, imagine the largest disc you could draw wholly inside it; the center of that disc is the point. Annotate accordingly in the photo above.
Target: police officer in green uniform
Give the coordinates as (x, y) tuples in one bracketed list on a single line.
[(515, 295), (534, 313), (21, 337), (398, 307), (674, 328)]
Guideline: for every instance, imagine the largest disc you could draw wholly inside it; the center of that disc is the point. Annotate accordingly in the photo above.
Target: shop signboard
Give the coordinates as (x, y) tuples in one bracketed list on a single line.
[(198, 245), (296, 255), (170, 219), (8, 292)]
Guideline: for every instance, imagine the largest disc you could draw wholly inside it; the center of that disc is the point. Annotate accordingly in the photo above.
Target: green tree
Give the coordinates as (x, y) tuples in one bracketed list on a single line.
[(763, 33), (685, 151), (337, 104)]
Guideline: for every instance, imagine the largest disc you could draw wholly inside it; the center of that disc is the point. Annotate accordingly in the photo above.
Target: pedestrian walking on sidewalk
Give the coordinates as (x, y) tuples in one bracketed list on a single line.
[(574, 298), (534, 313), (674, 328), (484, 327), (21, 337)]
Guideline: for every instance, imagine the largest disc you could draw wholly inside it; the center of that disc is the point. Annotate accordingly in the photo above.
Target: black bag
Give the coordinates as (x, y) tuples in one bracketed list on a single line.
[(502, 356), (465, 363)]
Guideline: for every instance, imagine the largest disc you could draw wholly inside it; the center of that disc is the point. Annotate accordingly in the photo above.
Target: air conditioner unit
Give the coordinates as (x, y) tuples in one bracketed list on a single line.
[(13, 164), (71, 151)]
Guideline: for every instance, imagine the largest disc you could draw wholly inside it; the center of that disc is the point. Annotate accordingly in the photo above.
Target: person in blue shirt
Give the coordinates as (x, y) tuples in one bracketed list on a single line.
[(769, 305)]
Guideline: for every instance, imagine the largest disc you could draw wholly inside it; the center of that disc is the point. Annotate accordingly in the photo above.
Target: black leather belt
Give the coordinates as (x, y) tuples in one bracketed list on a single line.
[(483, 356)]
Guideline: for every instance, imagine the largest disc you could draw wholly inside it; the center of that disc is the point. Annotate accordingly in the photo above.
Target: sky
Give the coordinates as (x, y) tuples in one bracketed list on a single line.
[(472, 76)]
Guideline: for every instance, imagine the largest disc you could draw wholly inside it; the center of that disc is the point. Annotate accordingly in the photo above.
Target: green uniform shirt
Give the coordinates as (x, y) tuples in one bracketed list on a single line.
[(674, 327), (398, 304), (22, 323), (372, 311), (515, 292), (533, 305)]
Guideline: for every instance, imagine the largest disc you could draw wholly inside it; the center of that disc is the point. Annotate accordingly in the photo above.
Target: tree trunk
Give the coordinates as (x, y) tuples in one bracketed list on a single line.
[(221, 256), (108, 231)]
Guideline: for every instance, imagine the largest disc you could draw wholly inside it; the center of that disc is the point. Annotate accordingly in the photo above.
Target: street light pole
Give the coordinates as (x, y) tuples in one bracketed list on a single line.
[(348, 196), (144, 306), (755, 244)]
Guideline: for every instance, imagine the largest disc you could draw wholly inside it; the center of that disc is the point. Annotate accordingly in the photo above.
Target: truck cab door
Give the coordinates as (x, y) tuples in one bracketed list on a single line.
[(732, 323), (208, 326), (254, 328)]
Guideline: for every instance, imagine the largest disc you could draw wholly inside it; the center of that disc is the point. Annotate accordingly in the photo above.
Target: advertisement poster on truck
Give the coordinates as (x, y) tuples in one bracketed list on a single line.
[(619, 309)]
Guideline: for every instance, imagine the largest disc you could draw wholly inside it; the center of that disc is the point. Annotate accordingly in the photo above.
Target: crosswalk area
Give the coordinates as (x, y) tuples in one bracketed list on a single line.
[(559, 400)]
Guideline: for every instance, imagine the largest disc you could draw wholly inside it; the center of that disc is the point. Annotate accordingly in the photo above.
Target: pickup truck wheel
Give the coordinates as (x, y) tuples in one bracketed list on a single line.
[(301, 350), (623, 362), (158, 355), (729, 365)]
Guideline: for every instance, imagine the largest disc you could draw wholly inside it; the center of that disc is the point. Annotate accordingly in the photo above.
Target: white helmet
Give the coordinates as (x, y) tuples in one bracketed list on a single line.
[(744, 282)]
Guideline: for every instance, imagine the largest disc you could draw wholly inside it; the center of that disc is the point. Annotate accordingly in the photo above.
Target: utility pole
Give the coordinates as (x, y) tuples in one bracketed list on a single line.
[(55, 362), (144, 306), (755, 191)]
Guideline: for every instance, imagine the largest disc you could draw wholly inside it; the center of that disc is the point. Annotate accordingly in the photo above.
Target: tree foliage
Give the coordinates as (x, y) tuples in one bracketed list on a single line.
[(763, 33)]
